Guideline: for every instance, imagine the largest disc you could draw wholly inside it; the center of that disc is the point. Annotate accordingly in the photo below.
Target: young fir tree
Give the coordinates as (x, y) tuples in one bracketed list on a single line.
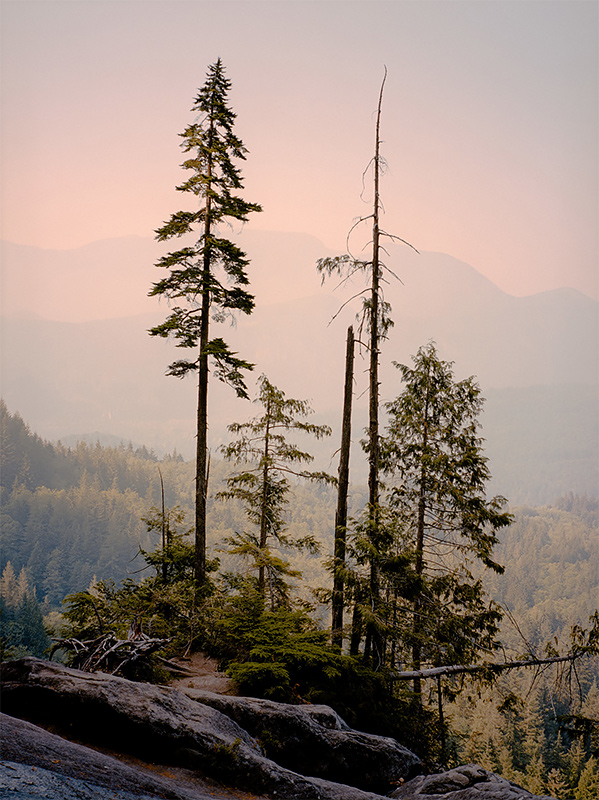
[(263, 485), (376, 323), (207, 278), (445, 522)]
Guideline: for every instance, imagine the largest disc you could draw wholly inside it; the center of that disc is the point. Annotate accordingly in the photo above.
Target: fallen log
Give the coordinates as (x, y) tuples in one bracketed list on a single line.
[(492, 668)]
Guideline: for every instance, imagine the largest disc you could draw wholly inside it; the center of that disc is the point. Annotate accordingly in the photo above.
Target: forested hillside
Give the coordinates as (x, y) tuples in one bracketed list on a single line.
[(72, 514)]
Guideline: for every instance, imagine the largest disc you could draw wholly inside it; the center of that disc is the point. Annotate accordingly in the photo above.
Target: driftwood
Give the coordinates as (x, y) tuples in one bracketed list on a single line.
[(108, 653)]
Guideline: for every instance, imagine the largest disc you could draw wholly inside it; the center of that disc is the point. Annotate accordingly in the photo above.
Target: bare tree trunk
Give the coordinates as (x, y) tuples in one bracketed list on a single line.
[(163, 528), (419, 564), (442, 735), (375, 639), (356, 629), (202, 452), (341, 513), (202, 420), (264, 508)]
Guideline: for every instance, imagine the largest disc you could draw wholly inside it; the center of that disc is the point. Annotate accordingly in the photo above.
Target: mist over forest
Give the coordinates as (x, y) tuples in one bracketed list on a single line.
[(77, 361)]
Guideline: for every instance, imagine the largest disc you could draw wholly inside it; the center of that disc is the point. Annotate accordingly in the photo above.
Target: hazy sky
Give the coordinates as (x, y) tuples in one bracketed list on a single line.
[(489, 121)]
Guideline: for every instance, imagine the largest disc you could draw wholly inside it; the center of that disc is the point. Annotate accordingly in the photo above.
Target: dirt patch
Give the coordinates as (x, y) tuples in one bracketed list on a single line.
[(202, 673)]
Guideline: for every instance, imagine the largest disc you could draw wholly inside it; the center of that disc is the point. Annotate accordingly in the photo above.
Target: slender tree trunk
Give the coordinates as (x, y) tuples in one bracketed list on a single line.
[(341, 513), (419, 564), (163, 529), (202, 451), (202, 419), (264, 507), (442, 735), (375, 639), (356, 629)]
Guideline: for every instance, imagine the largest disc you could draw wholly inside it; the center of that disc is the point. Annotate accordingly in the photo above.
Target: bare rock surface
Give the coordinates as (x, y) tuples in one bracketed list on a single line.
[(37, 763), (468, 782), (159, 725), (314, 740)]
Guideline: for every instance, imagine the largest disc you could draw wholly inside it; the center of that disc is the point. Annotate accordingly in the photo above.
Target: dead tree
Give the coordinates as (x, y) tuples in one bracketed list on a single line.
[(342, 492)]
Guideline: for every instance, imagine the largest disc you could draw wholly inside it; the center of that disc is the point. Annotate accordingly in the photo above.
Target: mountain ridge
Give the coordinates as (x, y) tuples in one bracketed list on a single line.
[(67, 376)]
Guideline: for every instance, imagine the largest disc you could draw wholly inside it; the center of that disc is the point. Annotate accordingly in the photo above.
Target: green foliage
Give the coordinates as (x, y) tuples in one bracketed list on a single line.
[(555, 547), (588, 784), (223, 761), (276, 654), (263, 485), (207, 280), (169, 611), (282, 655), (415, 557), (522, 729), (22, 630), (89, 524), (193, 284), (165, 610), (440, 522), (92, 523), (173, 559), (434, 453)]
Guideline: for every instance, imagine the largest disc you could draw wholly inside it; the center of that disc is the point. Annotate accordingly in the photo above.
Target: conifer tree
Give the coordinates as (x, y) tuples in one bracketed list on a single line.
[(557, 786), (8, 585), (588, 785), (445, 522), (263, 485), (207, 278)]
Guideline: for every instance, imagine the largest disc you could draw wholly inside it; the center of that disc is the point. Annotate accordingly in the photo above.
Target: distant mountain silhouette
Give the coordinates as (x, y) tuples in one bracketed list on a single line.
[(76, 356)]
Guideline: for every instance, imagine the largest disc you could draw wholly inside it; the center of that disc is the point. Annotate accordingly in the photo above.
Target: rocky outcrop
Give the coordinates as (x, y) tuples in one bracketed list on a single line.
[(314, 740), (469, 782), (156, 724), (195, 744), (36, 763)]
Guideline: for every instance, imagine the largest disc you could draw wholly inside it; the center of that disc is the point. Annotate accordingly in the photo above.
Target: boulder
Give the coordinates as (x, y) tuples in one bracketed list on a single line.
[(158, 725), (36, 763), (469, 782), (314, 740)]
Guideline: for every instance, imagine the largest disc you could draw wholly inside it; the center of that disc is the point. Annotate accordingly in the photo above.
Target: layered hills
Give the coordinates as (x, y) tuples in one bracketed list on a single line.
[(77, 358)]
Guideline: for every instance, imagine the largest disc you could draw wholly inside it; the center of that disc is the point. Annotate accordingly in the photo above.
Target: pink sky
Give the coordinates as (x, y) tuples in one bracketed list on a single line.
[(489, 122)]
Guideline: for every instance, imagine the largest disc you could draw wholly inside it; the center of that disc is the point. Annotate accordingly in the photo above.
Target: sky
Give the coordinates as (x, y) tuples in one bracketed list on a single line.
[(489, 125)]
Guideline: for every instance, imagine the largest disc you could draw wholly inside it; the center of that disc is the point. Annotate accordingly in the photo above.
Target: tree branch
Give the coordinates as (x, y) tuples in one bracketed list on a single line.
[(460, 669)]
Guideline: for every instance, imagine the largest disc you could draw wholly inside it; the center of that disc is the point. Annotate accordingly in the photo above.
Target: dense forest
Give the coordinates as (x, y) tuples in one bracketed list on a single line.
[(72, 516)]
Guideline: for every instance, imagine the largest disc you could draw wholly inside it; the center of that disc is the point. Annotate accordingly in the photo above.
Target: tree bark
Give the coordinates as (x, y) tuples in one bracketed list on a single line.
[(342, 492), (419, 565), (202, 418), (460, 669), (375, 639), (264, 508), (163, 529)]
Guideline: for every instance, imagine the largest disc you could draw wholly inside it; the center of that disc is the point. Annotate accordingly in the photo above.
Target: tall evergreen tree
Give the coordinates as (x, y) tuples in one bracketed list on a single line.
[(433, 449), (207, 278), (263, 485)]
